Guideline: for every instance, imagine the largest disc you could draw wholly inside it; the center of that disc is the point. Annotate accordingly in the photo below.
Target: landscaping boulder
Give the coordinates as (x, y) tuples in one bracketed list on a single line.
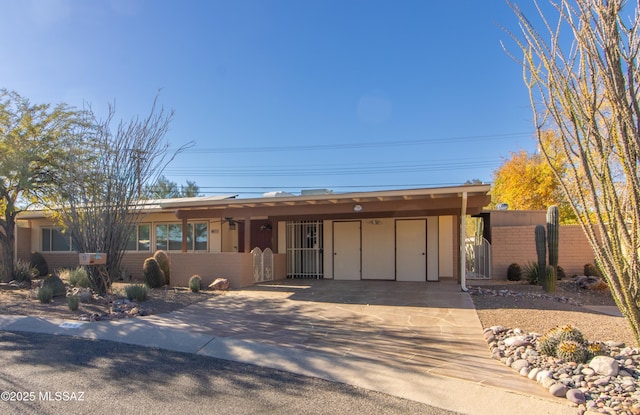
[(220, 284), (84, 294), (604, 365), (55, 283)]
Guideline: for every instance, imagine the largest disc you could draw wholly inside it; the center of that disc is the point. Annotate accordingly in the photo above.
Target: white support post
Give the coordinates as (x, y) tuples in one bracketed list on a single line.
[(463, 237)]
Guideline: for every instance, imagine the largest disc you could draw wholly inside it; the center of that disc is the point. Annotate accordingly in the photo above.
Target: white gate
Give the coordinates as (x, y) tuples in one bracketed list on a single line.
[(262, 265), (478, 264), (305, 249)]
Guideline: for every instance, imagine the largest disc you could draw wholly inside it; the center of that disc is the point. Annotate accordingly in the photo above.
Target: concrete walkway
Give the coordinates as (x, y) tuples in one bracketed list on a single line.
[(413, 340)]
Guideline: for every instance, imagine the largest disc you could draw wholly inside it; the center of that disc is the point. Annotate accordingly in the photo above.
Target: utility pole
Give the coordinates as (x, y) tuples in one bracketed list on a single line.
[(137, 153)]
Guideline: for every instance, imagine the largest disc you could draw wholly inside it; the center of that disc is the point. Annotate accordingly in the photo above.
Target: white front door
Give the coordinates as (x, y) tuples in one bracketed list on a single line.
[(411, 250), (346, 250)]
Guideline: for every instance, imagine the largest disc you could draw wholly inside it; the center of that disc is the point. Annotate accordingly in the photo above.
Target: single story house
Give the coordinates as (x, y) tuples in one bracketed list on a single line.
[(400, 235)]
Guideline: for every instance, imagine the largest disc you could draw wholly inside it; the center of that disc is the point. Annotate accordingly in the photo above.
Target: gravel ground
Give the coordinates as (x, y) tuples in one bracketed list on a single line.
[(529, 308), (14, 301)]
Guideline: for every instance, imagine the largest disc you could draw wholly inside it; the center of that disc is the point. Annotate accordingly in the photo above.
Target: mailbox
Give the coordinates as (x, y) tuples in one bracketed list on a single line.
[(93, 259)]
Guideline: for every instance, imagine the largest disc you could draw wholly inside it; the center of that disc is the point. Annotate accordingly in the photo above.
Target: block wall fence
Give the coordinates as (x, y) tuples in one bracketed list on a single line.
[(511, 244)]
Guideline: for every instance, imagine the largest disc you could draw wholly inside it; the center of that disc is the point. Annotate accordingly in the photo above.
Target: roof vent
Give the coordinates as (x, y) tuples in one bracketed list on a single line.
[(312, 192), (278, 193)]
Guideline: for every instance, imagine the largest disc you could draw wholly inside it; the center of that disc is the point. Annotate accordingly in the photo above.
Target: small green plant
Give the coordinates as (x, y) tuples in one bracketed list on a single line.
[(37, 261), (153, 274), (531, 273), (45, 294), (58, 288), (79, 278), (73, 301), (138, 292), (22, 271), (561, 273), (572, 351), (514, 272), (591, 270), (194, 283)]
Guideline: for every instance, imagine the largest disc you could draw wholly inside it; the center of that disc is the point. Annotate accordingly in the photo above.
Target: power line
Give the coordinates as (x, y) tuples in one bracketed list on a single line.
[(335, 169), (340, 146)]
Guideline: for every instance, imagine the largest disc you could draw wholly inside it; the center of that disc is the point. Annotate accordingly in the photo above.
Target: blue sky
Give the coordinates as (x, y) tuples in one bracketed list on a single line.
[(285, 95)]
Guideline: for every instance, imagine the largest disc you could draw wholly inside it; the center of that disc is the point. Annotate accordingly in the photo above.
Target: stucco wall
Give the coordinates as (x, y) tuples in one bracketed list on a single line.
[(517, 244)]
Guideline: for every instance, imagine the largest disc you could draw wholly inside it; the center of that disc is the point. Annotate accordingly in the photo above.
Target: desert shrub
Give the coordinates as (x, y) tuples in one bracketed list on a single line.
[(22, 271), (531, 273), (55, 283), (591, 270), (73, 301), (165, 265), (153, 275), (38, 262), (561, 273), (78, 277), (45, 294), (514, 272), (138, 292), (194, 283)]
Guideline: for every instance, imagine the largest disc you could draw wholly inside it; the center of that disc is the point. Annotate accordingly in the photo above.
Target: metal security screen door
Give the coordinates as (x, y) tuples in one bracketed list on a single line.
[(304, 249)]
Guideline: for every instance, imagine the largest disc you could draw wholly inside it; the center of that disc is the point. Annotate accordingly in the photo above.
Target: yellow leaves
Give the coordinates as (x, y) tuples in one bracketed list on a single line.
[(527, 182)]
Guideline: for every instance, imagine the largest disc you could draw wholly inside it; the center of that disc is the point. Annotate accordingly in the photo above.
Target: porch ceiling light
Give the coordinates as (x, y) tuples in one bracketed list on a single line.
[(357, 208)]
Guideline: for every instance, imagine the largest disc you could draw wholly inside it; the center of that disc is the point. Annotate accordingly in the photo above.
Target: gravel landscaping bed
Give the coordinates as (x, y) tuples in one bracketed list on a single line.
[(515, 315)]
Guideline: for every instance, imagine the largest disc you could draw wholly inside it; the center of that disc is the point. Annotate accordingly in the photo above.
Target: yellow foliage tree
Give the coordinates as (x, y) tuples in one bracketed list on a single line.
[(527, 182)]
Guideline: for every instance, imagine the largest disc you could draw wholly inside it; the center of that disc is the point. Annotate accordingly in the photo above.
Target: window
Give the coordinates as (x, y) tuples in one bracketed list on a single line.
[(169, 236), (54, 240), (140, 238)]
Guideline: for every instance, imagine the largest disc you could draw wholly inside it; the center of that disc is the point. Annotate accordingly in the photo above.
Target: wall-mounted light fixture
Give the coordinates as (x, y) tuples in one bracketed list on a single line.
[(375, 222), (357, 208)]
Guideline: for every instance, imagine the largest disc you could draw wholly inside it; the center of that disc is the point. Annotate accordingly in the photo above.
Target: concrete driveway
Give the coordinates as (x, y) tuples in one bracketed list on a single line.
[(426, 328), (419, 341)]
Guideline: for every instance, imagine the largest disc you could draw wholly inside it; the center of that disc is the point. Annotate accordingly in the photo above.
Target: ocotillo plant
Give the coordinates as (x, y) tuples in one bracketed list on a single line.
[(541, 250), (553, 229)]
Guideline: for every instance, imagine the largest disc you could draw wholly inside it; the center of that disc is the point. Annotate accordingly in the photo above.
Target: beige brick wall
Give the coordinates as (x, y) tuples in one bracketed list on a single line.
[(517, 244)]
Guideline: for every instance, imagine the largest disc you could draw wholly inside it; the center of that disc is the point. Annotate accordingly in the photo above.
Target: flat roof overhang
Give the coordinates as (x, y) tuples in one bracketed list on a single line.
[(390, 203)]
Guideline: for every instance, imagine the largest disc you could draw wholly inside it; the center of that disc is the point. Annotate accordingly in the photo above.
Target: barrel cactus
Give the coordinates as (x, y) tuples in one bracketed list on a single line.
[(572, 351), (570, 333), (153, 274), (194, 283), (596, 349), (165, 265), (548, 343)]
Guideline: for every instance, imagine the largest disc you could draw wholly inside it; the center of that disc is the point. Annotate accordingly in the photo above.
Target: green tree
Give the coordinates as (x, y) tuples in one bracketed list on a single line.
[(167, 189), (527, 182), (35, 139), (582, 74)]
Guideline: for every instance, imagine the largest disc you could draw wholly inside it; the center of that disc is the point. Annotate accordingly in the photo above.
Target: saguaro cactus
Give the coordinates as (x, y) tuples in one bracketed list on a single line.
[(541, 250), (553, 229)]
